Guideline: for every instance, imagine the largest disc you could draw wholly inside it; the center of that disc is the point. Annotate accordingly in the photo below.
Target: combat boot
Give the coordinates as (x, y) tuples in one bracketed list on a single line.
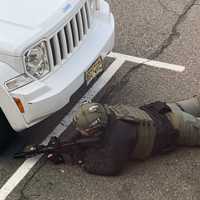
[(191, 105), (185, 122)]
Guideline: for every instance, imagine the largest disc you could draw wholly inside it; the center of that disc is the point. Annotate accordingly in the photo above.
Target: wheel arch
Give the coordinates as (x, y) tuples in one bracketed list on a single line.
[(3, 119)]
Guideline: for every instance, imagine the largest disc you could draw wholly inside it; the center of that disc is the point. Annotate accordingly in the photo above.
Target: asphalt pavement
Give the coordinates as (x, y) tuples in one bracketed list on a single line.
[(161, 30)]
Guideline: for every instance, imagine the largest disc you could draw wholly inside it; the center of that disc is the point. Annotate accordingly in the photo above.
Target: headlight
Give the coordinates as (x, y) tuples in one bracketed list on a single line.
[(36, 61)]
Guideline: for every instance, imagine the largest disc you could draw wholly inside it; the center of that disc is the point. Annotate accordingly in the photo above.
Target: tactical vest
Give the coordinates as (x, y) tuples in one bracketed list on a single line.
[(145, 128), (154, 131)]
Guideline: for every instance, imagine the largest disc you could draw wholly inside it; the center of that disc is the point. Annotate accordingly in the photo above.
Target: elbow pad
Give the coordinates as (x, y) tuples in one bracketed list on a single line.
[(96, 162)]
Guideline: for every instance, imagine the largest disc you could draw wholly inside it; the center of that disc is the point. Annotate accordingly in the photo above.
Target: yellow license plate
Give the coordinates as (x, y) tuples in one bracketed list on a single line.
[(94, 70)]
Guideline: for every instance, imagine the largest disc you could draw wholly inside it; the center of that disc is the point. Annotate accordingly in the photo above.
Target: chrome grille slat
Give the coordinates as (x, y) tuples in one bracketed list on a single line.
[(69, 37), (60, 45), (85, 21), (50, 55), (64, 43), (72, 30), (57, 49), (87, 9), (75, 32), (53, 51), (80, 25)]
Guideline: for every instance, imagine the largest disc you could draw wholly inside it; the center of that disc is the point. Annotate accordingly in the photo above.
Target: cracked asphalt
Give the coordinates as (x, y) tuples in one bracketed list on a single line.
[(163, 30)]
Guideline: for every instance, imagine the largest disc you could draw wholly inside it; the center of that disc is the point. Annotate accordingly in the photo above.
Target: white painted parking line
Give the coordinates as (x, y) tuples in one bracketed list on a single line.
[(28, 164), (148, 62)]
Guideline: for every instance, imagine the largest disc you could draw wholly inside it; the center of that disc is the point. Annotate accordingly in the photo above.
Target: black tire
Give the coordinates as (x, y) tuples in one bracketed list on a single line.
[(6, 131)]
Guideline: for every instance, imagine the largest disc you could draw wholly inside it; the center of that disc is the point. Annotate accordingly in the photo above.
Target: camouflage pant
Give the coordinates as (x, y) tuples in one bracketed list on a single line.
[(185, 117)]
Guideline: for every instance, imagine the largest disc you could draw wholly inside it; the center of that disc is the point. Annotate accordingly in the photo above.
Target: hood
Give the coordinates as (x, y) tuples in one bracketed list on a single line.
[(28, 13), (21, 20)]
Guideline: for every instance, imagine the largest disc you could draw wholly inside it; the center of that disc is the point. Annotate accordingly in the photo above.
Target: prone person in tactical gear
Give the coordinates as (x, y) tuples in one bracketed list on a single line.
[(127, 132), (136, 133)]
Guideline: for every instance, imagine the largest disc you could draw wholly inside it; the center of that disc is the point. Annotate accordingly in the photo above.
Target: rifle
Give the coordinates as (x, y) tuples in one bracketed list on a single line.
[(55, 148)]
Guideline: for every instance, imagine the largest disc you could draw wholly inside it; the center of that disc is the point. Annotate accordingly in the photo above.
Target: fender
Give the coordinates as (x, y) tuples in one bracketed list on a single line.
[(7, 104)]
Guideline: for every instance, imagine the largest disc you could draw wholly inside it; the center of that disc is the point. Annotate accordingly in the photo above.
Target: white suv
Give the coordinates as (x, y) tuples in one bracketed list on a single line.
[(48, 49)]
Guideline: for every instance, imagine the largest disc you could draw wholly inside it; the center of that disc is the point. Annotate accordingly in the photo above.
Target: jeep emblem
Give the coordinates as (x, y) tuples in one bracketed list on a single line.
[(66, 7)]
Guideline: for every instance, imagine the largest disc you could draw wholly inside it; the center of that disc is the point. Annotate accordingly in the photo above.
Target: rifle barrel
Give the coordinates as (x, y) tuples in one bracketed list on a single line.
[(60, 147)]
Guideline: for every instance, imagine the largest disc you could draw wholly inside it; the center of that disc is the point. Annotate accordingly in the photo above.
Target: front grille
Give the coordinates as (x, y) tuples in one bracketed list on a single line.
[(64, 42)]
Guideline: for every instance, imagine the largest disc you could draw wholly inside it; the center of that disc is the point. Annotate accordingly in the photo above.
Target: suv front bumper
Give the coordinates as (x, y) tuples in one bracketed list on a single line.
[(43, 98)]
